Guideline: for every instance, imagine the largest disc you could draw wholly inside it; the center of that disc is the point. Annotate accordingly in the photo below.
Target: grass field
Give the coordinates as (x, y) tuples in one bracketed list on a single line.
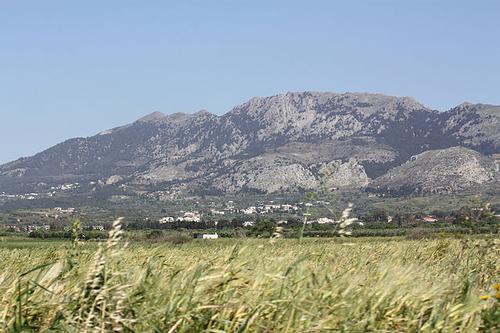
[(251, 285)]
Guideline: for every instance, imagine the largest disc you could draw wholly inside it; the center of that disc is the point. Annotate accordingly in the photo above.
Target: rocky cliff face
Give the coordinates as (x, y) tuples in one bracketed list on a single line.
[(288, 142)]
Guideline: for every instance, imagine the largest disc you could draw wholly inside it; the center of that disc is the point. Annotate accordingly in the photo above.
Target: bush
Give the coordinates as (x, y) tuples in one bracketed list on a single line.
[(177, 239), (158, 236)]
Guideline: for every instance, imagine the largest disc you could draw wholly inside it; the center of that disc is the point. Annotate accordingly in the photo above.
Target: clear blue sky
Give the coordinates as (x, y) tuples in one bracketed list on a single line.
[(74, 68)]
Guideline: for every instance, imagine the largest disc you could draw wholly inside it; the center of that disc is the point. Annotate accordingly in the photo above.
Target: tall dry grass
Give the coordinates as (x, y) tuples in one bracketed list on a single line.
[(364, 285)]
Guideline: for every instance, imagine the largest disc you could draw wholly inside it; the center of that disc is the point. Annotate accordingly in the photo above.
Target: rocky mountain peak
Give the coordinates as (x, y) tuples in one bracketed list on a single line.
[(464, 105), (157, 115), (204, 114), (176, 117), (365, 104)]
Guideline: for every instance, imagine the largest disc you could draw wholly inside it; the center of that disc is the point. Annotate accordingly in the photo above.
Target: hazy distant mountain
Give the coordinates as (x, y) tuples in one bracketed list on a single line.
[(287, 142)]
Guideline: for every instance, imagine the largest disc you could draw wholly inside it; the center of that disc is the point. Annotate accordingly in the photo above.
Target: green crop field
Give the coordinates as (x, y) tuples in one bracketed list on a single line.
[(251, 285)]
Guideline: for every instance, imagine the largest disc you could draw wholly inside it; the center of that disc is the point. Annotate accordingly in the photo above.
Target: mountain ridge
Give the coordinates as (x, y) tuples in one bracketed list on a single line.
[(355, 138)]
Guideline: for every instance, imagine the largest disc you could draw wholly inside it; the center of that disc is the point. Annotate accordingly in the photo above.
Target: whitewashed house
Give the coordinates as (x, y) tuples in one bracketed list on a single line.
[(325, 220), (190, 217), (166, 219), (206, 236), (216, 212), (250, 210)]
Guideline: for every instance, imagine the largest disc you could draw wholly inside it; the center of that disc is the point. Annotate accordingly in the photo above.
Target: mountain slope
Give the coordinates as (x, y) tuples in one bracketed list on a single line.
[(476, 126), (287, 142), (438, 171)]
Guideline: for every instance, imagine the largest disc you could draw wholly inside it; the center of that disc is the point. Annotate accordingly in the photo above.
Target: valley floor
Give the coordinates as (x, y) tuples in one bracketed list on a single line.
[(252, 285)]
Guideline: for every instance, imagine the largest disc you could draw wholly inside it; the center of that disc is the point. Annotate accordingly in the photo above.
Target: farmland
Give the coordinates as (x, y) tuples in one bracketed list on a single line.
[(251, 285)]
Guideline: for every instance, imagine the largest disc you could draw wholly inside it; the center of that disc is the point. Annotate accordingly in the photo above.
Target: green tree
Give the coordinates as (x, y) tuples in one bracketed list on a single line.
[(264, 228)]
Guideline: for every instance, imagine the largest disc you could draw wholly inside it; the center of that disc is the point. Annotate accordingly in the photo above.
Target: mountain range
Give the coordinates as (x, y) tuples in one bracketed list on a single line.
[(290, 142)]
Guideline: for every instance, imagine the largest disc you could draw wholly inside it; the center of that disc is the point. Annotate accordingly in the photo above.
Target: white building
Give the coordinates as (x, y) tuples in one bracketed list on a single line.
[(325, 220), (190, 217), (250, 210), (69, 210), (207, 236), (288, 207), (31, 228), (216, 212), (167, 219)]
